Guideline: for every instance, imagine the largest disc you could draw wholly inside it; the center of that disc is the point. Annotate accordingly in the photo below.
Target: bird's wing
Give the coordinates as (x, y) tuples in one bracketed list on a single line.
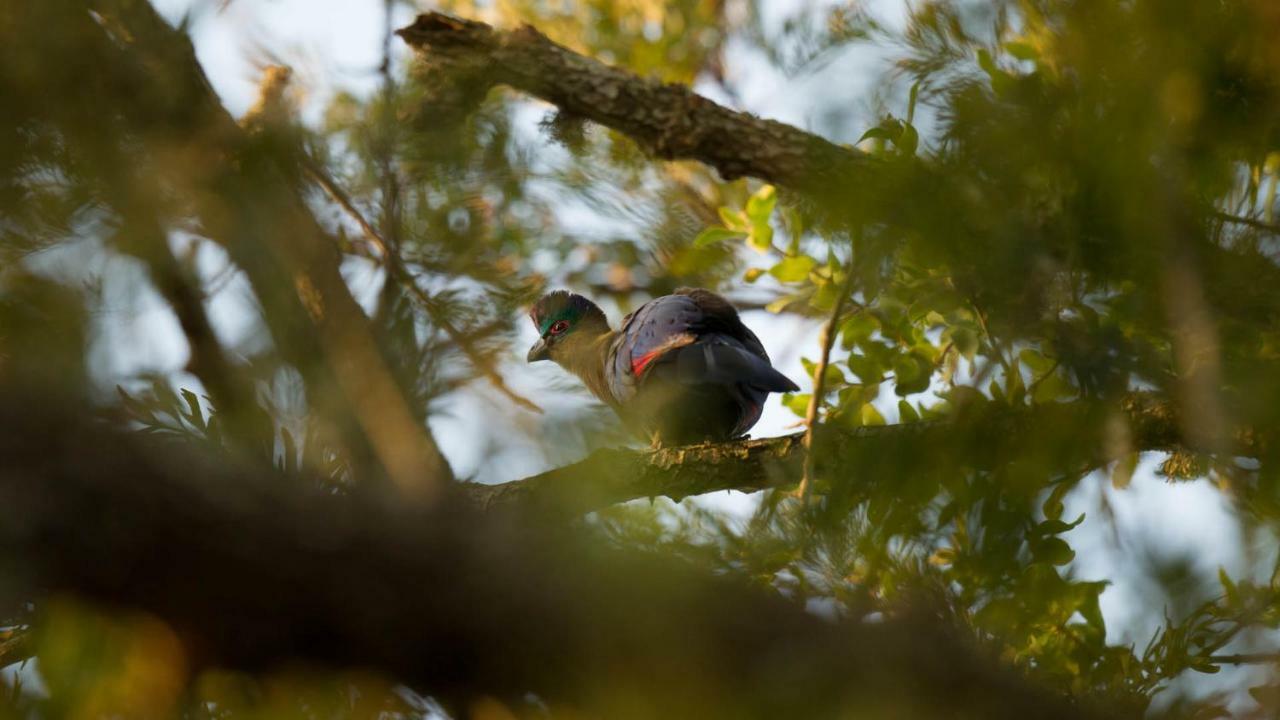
[(719, 315), (655, 328), (726, 351)]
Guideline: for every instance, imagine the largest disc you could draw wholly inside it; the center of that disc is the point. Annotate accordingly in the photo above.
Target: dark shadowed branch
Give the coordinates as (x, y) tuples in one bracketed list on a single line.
[(452, 601)]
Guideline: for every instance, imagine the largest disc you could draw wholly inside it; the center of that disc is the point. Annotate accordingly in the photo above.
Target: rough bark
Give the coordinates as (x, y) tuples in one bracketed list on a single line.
[(463, 59)]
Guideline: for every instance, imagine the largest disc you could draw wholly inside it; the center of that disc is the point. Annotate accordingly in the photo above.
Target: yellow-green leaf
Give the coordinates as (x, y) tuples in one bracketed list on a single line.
[(793, 269), (713, 235)]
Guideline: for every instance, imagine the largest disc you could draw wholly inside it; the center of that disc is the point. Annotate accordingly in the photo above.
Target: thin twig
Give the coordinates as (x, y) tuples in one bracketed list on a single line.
[(827, 339), (400, 272), (1251, 222), (1245, 659)]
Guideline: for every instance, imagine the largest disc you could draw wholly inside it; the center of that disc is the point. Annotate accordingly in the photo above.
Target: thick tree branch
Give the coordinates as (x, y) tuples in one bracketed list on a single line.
[(979, 437), (466, 58), (250, 572)]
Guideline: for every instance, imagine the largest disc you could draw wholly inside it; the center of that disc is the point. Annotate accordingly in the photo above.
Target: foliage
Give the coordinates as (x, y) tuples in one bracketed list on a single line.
[(1078, 202)]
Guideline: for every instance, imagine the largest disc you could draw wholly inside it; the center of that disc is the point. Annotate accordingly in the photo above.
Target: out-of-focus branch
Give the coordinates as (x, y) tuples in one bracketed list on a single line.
[(454, 602), (980, 438), (245, 190), (246, 423), (15, 646), (396, 267), (1254, 223)]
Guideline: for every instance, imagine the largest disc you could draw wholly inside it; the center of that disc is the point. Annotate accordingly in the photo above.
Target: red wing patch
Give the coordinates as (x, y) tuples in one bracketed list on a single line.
[(639, 364)]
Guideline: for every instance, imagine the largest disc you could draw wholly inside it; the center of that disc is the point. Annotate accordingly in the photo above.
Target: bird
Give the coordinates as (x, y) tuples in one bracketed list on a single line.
[(681, 369)]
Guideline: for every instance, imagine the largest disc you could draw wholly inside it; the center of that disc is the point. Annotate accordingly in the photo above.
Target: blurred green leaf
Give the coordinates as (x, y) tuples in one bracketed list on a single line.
[(793, 269), (713, 235)]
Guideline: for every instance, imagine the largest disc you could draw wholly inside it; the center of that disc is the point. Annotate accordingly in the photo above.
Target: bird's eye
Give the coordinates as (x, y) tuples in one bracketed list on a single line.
[(559, 326)]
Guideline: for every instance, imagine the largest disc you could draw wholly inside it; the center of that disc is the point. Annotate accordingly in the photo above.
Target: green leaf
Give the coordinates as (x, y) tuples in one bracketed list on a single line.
[(797, 403), (1035, 360), (1052, 387), (1053, 504), (965, 340), (857, 329), (907, 413), (869, 415), (793, 269), (733, 219), (888, 129), (713, 235), (911, 373), (761, 203), (1053, 550), (825, 298), (193, 403), (908, 140), (1227, 586), (760, 238), (1057, 527), (911, 102), (867, 369), (782, 303)]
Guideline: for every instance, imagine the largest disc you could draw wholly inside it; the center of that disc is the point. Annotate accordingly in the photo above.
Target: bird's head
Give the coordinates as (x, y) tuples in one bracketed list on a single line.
[(568, 324)]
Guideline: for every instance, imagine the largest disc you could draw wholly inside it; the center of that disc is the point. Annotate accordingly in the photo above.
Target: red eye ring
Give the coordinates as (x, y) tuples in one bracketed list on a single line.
[(559, 326)]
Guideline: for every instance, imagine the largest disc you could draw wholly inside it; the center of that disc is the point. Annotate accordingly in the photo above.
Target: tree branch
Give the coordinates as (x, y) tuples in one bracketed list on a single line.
[(1245, 659), (454, 602), (465, 58), (1254, 223), (978, 437)]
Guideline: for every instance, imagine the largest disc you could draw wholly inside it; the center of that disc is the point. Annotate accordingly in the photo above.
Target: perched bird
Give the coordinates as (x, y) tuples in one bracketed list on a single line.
[(681, 369)]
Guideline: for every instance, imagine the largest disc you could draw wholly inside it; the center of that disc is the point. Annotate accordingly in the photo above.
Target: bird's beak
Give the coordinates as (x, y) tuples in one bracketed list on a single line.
[(539, 351)]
